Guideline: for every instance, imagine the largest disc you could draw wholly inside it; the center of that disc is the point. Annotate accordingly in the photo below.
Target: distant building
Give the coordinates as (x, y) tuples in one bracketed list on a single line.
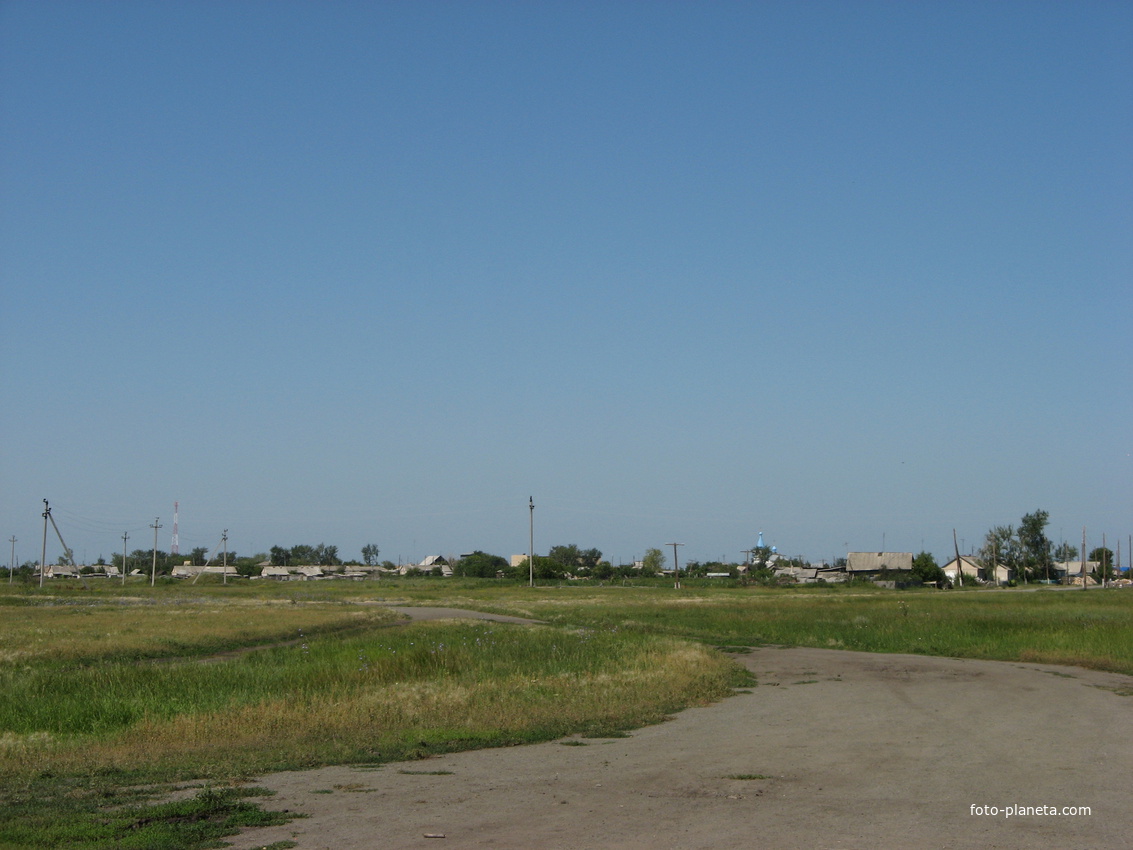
[(1069, 572), (969, 566), (428, 565), (868, 564)]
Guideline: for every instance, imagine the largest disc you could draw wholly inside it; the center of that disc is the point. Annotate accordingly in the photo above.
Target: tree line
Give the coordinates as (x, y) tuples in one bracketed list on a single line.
[(1031, 555)]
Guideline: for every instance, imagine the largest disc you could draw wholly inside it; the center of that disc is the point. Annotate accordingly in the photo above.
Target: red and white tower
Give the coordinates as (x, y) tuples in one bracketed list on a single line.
[(175, 549)]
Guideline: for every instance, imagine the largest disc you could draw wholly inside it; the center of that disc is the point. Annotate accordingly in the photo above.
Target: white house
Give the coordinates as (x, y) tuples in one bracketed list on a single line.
[(970, 566)]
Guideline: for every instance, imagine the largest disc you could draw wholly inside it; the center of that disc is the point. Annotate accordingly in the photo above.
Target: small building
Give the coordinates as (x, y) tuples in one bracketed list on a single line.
[(976, 568), (1070, 572), (277, 573), (433, 562), (873, 564)]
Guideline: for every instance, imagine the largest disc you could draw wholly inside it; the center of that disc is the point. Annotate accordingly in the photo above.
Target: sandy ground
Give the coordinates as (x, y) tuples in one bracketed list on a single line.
[(832, 749)]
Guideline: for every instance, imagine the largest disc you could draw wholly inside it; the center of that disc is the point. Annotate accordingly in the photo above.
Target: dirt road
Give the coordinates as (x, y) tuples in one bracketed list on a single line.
[(831, 750)]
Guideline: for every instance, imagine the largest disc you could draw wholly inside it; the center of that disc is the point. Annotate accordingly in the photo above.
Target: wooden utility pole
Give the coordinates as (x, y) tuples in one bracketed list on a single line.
[(125, 537), (1083, 557), (1104, 566), (43, 556), (531, 542), (153, 570), (959, 563), (676, 566)]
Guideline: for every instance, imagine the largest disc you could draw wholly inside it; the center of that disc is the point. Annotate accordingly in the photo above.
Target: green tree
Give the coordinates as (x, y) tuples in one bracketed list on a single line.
[(1065, 552), (572, 559), (568, 557), (302, 555), (602, 571), (1001, 548), (926, 569), (653, 563), (548, 569), (249, 566), (590, 558), (481, 565), (327, 556), (761, 556), (199, 556), (1035, 545), (370, 554)]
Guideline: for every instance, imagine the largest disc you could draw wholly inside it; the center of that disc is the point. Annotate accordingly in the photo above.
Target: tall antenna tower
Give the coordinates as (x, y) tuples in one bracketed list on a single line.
[(175, 548)]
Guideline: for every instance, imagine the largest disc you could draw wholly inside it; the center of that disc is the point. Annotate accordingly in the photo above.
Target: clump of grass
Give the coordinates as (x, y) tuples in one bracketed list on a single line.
[(80, 815)]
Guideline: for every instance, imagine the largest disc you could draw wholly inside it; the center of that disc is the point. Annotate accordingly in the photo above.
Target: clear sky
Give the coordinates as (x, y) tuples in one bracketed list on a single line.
[(850, 273)]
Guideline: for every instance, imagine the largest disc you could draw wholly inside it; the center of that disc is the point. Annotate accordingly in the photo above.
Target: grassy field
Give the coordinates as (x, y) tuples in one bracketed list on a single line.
[(109, 698)]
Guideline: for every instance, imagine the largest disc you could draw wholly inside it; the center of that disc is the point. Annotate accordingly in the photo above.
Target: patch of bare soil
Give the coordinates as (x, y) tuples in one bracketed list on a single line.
[(832, 749)]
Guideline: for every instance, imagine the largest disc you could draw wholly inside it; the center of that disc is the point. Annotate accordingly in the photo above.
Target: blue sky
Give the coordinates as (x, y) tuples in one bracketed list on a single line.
[(853, 274)]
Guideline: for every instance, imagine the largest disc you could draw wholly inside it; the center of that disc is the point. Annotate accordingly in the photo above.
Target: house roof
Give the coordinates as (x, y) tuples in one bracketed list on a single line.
[(875, 562), (1074, 568), (969, 565)]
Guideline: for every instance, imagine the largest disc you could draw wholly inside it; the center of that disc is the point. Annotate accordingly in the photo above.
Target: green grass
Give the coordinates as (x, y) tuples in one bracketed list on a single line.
[(396, 692), (1089, 629), (82, 815), (101, 693), (77, 714)]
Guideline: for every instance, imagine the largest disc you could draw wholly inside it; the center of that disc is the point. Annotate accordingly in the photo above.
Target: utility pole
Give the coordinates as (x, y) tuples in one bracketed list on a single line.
[(125, 537), (1083, 557), (43, 556), (531, 542), (959, 563), (12, 563), (676, 566), (153, 570), (224, 540)]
